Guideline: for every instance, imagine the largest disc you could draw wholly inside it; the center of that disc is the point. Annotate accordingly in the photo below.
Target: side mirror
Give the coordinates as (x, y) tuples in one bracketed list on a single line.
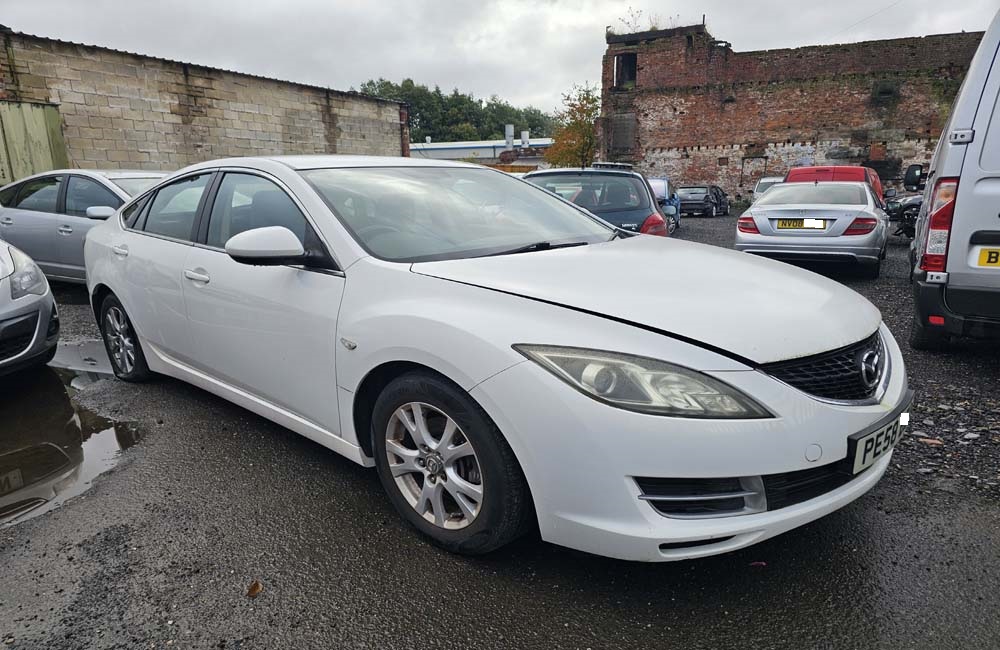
[(889, 193), (914, 177), (670, 211), (100, 212), (270, 246)]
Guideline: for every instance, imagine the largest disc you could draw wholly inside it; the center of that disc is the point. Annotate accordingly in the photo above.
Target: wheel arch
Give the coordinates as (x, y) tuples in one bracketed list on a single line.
[(97, 296)]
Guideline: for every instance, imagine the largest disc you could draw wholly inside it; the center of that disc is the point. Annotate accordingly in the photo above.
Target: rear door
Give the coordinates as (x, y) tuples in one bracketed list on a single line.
[(974, 246), (30, 222), (82, 192)]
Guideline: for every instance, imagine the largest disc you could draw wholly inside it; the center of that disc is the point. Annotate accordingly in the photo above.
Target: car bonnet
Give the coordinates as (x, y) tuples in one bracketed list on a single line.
[(749, 308)]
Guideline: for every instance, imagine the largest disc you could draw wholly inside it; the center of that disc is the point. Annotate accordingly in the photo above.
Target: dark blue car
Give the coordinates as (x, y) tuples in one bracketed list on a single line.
[(621, 197)]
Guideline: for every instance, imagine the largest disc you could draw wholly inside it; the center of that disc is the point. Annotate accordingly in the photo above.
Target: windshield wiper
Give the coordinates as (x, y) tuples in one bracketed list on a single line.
[(538, 246)]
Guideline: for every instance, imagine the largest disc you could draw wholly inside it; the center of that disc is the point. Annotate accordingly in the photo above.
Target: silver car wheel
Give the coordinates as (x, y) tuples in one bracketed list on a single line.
[(120, 341), (434, 465)]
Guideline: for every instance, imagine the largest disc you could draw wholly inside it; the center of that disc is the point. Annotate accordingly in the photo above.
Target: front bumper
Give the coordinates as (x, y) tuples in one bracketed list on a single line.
[(932, 299), (29, 330), (863, 249), (582, 458)]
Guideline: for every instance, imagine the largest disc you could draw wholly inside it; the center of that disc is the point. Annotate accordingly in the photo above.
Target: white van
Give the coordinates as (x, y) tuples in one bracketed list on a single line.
[(955, 254)]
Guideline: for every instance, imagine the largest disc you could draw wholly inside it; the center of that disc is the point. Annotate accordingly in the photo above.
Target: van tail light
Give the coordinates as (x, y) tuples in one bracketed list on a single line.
[(747, 224), (861, 226), (654, 225), (942, 209)]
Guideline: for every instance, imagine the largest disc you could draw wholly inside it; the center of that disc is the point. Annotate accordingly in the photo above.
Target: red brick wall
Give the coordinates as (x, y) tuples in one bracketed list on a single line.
[(702, 110)]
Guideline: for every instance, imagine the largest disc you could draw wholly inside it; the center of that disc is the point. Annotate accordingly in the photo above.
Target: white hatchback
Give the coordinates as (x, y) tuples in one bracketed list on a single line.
[(493, 351)]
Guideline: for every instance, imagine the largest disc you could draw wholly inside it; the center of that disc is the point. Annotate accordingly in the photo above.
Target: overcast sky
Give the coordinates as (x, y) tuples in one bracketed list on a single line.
[(525, 51)]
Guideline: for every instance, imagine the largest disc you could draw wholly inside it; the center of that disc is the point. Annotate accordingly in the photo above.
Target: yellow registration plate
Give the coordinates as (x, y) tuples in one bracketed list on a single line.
[(989, 257), (799, 224)]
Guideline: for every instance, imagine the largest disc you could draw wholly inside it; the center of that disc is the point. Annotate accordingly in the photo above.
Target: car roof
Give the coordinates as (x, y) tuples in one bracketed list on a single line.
[(584, 170), (328, 161)]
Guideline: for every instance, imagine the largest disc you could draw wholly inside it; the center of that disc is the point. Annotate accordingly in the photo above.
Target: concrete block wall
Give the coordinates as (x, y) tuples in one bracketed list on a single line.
[(123, 110)]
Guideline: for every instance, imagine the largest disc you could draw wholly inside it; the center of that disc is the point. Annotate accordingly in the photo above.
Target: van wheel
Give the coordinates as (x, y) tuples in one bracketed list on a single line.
[(923, 337), (122, 343), (446, 467)]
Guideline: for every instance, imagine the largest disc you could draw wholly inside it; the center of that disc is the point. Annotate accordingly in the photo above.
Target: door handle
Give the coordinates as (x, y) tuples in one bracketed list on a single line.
[(120, 251), (196, 276), (65, 230), (7, 221)]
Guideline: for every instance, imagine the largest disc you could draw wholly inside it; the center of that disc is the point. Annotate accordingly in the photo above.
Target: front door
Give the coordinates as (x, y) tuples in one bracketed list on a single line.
[(268, 330), (73, 224)]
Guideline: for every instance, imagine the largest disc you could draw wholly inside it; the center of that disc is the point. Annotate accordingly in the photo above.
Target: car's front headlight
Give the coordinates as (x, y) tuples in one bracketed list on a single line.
[(27, 277), (644, 385)]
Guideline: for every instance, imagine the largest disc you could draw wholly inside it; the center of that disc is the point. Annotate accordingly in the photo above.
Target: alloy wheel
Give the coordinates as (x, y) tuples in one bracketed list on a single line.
[(434, 465), (120, 339)]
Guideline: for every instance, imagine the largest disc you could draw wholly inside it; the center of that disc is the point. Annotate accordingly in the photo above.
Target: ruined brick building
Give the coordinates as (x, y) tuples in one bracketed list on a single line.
[(681, 103), (68, 104)]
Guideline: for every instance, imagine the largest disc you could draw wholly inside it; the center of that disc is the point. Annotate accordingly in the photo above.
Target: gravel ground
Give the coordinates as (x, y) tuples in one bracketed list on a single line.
[(162, 549)]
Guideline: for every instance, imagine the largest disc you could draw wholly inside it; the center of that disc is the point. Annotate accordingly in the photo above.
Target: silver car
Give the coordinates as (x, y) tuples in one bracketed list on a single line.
[(48, 215), (29, 322), (819, 222)]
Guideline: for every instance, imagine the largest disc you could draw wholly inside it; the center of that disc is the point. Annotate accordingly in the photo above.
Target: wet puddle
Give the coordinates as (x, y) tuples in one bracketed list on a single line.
[(51, 449)]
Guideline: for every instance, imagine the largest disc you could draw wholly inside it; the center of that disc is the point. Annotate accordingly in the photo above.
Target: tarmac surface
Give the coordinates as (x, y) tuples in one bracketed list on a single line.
[(199, 498)]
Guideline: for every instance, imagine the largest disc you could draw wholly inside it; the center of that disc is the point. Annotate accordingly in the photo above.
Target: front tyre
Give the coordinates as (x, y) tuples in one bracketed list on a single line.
[(121, 342), (446, 467)]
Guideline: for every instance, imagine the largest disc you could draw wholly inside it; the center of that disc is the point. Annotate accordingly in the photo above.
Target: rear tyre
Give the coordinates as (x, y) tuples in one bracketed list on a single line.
[(923, 337), (446, 467), (872, 271), (122, 343), (712, 211), (672, 224)]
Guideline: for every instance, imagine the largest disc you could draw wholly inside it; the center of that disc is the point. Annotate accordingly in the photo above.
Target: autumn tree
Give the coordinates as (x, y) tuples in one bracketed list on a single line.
[(576, 129)]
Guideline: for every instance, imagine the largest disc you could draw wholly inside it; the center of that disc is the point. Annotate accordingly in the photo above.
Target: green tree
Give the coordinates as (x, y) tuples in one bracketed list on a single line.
[(576, 131), (458, 115)]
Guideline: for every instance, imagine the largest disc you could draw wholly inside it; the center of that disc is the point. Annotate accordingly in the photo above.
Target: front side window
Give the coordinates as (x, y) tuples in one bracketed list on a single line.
[(813, 193), (245, 202), (175, 206), (598, 193), (411, 214), (83, 193), (39, 195)]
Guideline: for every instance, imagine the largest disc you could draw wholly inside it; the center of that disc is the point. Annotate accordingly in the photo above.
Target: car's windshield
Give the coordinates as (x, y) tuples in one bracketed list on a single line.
[(806, 193), (763, 186), (135, 185), (599, 193), (412, 214), (691, 192)]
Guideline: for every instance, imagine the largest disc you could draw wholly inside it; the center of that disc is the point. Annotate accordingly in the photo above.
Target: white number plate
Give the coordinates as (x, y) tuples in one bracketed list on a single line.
[(875, 445), (11, 481)]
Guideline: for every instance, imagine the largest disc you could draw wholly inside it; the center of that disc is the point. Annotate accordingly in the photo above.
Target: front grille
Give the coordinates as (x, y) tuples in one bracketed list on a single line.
[(833, 375), (694, 498), (16, 335)]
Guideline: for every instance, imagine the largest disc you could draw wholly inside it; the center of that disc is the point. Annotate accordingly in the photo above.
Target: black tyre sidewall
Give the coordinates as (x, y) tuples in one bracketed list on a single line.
[(141, 371), (505, 499)]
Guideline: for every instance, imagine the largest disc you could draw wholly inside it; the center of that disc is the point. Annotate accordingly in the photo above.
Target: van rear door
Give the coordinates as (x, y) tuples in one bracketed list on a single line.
[(974, 244)]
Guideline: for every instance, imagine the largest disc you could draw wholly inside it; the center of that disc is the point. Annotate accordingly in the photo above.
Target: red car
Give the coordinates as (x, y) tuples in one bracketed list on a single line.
[(854, 173)]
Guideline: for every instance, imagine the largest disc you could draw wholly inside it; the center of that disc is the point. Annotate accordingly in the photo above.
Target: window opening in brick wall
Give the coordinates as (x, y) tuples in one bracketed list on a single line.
[(625, 70)]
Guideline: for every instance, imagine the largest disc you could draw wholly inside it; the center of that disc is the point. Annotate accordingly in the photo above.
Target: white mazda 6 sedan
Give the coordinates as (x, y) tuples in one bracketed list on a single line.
[(496, 354)]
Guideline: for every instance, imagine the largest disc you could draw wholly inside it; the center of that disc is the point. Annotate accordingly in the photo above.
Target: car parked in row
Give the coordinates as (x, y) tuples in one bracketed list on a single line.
[(703, 200), (618, 195), (29, 320), (507, 362), (817, 222), (955, 254), (48, 215), (665, 195), (763, 184), (843, 173)]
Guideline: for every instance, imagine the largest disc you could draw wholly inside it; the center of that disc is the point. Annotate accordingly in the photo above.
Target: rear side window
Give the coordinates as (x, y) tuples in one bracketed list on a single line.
[(131, 214), (7, 196), (83, 193), (175, 206), (39, 195), (245, 202)]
